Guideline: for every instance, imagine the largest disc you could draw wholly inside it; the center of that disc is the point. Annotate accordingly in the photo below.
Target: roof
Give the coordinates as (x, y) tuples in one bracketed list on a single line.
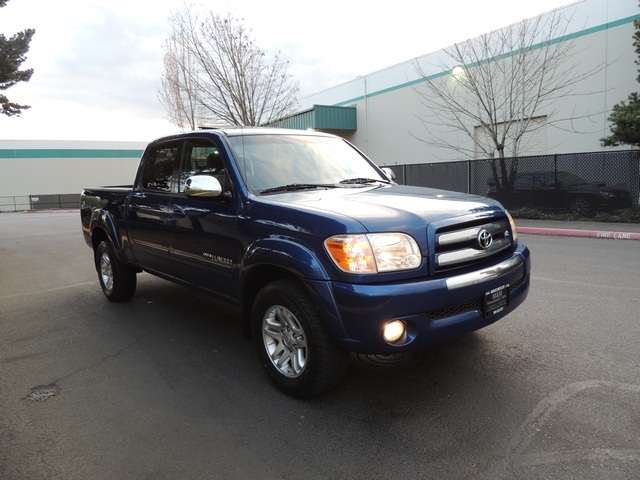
[(236, 130), (322, 117)]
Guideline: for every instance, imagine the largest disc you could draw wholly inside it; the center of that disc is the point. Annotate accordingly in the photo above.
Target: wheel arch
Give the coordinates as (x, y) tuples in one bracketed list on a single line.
[(276, 259), (103, 228), (254, 280)]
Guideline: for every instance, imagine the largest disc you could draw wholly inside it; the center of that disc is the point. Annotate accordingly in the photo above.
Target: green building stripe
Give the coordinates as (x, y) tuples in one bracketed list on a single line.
[(68, 153), (571, 36)]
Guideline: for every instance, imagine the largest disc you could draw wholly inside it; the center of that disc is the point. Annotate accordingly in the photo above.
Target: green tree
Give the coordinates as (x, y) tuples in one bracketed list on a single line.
[(13, 52), (625, 116)]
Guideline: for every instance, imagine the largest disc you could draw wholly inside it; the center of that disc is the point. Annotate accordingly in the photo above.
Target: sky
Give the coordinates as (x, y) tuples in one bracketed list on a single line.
[(98, 63)]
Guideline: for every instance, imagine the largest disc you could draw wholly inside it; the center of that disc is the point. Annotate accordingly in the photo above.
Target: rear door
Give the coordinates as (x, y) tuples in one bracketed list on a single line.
[(203, 236), (149, 210)]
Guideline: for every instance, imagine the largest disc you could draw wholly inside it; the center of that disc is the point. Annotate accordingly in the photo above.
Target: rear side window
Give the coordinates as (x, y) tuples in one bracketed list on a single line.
[(524, 182), (158, 168)]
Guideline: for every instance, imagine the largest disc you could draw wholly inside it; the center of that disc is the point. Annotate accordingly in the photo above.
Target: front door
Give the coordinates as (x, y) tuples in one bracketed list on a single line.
[(203, 234)]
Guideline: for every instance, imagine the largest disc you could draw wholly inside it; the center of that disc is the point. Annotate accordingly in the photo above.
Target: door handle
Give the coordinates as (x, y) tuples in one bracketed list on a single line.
[(178, 212)]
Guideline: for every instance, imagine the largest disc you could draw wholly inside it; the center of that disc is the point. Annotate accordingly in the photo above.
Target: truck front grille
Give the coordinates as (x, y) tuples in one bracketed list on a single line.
[(457, 309), (471, 243)]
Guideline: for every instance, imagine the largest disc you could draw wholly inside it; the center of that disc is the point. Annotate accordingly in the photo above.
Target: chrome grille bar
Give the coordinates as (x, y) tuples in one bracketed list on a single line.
[(464, 247), (469, 233), (470, 254)]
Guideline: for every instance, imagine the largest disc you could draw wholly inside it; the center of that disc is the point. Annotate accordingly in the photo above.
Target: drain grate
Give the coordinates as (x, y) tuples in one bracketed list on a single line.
[(43, 392)]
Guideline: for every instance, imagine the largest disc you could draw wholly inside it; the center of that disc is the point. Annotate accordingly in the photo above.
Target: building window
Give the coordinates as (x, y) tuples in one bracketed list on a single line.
[(532, 142)]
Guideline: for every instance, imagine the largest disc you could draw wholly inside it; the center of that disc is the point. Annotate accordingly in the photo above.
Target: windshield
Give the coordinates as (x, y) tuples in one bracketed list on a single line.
[(270, 162)]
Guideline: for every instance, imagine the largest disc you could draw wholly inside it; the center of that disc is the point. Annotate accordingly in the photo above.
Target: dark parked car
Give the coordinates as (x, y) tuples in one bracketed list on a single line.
[(548, 190)]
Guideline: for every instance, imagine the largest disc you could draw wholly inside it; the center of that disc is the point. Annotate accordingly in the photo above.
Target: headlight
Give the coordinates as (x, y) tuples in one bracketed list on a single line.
[(513, 227), (374, 252), (606, 194)]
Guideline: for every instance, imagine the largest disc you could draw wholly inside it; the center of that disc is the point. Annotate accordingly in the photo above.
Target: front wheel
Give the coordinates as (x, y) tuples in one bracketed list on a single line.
[(118, 282), (580, 206), (293, 344)]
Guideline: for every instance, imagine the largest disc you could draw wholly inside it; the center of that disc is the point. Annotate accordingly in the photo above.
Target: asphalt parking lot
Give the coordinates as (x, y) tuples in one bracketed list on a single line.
[(164, 386)]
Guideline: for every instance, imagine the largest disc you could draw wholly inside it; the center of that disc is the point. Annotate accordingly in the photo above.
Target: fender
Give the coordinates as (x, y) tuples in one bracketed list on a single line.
[(300, 261), (286, 253), (103, 220)]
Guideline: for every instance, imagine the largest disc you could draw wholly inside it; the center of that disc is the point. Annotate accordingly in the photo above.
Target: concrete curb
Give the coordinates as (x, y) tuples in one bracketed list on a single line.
[(571, 232)]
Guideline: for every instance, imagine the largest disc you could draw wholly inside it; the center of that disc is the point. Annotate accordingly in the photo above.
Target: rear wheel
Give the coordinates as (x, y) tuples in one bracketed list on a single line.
[(118, 282), (293, 344)]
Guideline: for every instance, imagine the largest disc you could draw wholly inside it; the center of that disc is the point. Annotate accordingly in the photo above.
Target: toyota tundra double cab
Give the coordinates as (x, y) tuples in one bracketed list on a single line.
[(320, 250)]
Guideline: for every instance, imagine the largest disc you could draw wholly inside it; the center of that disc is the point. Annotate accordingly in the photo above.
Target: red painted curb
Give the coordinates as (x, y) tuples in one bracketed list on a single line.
[(580, 233)]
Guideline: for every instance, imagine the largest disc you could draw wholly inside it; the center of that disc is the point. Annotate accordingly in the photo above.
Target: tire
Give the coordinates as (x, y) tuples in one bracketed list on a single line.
[(294, 346), (580, 206), (118, 282)]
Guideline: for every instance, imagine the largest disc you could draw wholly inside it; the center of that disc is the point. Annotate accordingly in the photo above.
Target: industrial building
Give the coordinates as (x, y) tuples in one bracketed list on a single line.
[(384, 107), (383, 113)]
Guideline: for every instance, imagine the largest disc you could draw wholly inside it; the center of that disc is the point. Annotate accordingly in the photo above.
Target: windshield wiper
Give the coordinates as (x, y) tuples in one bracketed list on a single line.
[(362, 180), (295, 186)]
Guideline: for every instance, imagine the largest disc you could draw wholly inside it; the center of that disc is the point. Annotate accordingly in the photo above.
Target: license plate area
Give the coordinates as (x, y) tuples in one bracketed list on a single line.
[(495, 300)]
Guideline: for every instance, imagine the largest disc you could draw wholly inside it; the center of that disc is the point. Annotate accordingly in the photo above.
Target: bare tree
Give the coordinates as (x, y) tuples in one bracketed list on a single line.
[(179, 93), (494, 88), (215, 72)]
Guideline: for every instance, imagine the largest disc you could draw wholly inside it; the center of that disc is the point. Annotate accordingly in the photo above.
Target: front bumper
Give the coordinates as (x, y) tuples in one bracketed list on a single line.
[(433, 310)]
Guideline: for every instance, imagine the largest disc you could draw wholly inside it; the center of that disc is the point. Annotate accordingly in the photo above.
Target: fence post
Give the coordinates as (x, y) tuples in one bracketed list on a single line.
[(555, 181)]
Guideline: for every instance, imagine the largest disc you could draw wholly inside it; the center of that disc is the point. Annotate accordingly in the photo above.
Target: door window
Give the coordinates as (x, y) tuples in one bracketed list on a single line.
[(158, 168), (202, 158)]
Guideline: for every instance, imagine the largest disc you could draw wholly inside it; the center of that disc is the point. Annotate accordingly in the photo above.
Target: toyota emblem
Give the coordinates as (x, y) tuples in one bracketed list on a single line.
[(484, 239)]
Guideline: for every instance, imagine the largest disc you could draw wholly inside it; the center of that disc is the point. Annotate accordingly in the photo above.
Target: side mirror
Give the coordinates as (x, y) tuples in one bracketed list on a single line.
[(389, 173), (203, 186)]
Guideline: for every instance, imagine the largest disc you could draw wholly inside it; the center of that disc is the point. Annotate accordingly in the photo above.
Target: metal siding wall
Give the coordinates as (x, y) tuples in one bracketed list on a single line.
[(388, 104), (335, 118), (53, 173)]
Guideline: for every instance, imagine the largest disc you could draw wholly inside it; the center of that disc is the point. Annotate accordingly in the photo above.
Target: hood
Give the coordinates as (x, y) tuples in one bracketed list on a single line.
[(390, 206)]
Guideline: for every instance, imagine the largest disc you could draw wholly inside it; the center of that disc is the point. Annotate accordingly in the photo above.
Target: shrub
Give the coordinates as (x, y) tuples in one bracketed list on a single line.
[(629, 215)]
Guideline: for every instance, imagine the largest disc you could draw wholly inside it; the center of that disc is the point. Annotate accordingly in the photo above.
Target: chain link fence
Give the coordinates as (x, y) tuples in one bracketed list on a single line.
[(577, 182), (15, 204), (39, 202)]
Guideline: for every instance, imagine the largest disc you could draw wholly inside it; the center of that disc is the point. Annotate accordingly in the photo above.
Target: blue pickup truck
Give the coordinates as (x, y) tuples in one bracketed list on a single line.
[(319, 248)]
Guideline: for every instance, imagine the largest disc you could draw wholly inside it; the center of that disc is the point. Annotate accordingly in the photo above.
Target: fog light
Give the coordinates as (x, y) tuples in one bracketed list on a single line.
[(393, 331)]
